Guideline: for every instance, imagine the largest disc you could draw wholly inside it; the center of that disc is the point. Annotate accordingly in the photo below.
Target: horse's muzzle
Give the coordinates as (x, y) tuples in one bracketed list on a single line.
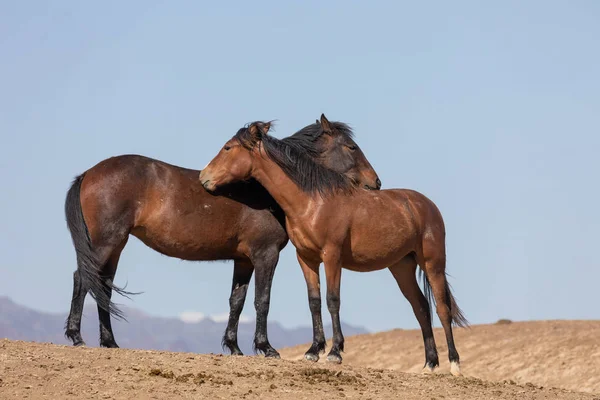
[(377, 185)]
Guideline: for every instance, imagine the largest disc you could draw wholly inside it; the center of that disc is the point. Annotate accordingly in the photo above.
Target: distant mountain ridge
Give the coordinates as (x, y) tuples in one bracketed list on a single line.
[(146, 332)]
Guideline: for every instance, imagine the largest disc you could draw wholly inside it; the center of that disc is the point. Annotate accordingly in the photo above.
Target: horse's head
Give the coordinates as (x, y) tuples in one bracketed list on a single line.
[(329, 144), (338, 151), (233, 163)]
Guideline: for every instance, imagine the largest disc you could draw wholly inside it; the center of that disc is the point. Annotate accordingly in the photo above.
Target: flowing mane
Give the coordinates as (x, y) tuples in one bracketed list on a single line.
[(307, 138), (296, 154)]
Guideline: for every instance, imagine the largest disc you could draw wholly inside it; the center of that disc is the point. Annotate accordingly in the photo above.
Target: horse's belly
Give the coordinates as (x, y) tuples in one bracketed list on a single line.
[(189, 243), (371, 261), (358, 267), (376, 253)]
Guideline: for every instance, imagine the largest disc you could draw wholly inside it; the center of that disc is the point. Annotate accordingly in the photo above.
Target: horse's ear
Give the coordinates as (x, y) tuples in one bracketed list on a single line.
[(255, 132), (259, 129), (265, 127), (325, 124)]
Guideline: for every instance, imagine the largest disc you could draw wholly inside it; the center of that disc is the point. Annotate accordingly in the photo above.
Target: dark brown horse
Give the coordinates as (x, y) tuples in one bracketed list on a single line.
[(329, 221), (166, 208)]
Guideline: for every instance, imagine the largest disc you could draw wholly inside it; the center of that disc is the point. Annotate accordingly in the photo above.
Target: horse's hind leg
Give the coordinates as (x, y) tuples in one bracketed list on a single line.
[(108, 271), (80, 290), (404, 273), (434, 265), (242, 273), (73, 324)]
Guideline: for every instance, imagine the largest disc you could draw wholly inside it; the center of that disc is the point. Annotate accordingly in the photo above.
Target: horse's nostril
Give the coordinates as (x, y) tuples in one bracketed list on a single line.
[(378, 183)]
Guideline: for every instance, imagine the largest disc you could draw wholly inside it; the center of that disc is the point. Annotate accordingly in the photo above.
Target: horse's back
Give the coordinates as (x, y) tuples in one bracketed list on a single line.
[(425, 212), (112, 189), (167, 208)]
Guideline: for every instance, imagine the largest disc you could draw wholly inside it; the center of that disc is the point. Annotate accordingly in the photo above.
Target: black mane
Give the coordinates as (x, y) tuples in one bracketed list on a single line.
[(296, 156), (307, 137)]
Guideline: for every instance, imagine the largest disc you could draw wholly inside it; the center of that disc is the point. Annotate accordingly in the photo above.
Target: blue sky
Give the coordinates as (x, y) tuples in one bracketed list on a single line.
[(489, 109)]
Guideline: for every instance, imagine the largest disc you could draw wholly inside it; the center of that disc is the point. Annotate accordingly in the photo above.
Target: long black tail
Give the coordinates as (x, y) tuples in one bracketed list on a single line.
[(458, 318), (88, 265)]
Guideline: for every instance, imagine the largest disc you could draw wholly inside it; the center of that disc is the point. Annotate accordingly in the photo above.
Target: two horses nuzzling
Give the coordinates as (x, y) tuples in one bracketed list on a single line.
[(167, 208), (331, 220)]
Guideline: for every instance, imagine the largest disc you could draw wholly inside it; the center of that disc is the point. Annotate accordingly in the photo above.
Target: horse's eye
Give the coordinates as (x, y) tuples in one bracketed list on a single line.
[(226, 148), (352, 147)]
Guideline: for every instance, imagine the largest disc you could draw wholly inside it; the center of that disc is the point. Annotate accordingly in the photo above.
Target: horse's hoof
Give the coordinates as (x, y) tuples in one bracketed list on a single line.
[(110, 345), (427, 369), (455, 368), (237, 353), (274, 355), (79, 344), (334, 359), (311, 357)]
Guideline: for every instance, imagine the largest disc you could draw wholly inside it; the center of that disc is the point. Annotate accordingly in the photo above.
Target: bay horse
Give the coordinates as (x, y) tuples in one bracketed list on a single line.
[(329, 221), (166, 208)]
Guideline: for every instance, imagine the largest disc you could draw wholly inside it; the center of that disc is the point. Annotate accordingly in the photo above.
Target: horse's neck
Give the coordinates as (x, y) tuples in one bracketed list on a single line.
[(286, 192)]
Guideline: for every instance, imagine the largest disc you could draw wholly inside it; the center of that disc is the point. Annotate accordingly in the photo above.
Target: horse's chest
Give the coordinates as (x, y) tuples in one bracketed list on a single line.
[(303, 240)]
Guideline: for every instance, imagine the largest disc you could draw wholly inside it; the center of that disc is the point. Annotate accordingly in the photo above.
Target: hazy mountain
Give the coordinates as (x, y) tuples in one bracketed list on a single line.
[(147, 332)]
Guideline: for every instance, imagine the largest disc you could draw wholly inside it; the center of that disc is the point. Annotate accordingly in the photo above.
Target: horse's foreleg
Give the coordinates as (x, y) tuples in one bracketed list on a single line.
[(265, 263), (311, 275), (242, 273), (333, 274)]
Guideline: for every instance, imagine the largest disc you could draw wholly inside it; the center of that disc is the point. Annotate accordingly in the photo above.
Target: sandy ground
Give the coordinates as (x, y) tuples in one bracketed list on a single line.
[(46, 371), (562, 354)]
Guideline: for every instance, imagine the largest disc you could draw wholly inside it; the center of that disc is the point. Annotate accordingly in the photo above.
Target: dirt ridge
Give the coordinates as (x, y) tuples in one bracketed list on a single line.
[(47, 371), (561, 353)]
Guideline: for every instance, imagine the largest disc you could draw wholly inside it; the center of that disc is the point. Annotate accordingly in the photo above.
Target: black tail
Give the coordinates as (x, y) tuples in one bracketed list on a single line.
[(458, 318), (87, 261)]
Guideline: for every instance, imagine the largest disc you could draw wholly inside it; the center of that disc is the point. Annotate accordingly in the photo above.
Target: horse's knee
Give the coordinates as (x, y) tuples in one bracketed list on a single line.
[(333, 302)]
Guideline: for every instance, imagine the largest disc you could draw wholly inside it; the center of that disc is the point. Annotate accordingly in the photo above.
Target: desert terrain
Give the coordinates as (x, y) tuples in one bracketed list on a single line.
[(525, 360), (562, 354)]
